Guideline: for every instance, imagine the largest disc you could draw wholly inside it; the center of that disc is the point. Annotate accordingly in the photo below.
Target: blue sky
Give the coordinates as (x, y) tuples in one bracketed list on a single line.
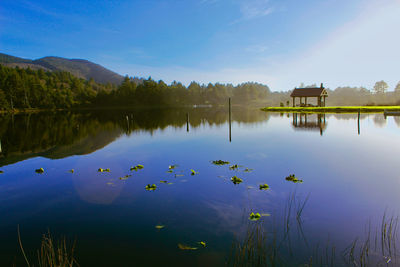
[(279, 43)]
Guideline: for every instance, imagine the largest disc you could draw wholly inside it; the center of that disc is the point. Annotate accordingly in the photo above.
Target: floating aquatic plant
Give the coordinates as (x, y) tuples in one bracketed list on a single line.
[(137, 167), (248, 170), (151, 187), (125, 177), (293, 179), (171, 167), (193, 172), (234, 167), (220, 162), (202, 243), (264, 187), (236, 180), (254, 216), (186, 247), (71, 170), (103, 170), (160, 226), (170, 171), (164, 182), (41, 170)]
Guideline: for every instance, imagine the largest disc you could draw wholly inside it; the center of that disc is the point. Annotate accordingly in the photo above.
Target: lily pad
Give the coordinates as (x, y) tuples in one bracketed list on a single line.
[(264, 187), (234, 167), (100, 170), (71, 170), (151, 187), (186, 247), (254, 216), (248, 170), (160, 227), (220, 162), (170, 171), (41, 170), (165, 182), (125, 177), (236, 180), (171, 167), (202, 243), (193, 172), (293, 178), (137, 167)]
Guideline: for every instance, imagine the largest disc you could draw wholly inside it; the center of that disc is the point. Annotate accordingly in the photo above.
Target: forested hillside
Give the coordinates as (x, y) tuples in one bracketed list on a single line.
[(27, 88), (79, 67)]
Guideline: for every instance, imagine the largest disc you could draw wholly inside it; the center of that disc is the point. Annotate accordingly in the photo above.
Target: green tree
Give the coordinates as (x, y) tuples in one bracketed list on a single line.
[(3, 100), (380, 87), (397, 88)]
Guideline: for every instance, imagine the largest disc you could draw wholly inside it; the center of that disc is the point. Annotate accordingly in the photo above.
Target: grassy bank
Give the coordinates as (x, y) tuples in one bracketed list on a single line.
[(337, 109)]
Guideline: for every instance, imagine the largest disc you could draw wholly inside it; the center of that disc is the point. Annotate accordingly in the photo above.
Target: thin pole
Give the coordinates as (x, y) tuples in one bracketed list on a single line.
[(230, 121), (358, 122), (187, 122)]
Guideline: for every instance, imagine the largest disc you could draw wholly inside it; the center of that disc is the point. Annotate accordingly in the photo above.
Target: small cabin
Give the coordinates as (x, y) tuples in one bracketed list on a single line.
[(318, 92)]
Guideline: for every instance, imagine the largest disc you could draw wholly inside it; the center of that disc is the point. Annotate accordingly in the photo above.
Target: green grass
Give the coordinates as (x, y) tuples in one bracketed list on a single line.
[(335, 109)]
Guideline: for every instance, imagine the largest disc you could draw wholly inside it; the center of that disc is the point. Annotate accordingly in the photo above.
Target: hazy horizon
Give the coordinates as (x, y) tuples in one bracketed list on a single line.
[(281, 44)]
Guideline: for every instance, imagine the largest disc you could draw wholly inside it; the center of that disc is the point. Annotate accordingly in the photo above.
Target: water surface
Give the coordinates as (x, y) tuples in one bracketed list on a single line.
[(348, 167)]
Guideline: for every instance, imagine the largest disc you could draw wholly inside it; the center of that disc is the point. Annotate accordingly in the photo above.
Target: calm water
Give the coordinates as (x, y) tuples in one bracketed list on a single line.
[(350, 180)]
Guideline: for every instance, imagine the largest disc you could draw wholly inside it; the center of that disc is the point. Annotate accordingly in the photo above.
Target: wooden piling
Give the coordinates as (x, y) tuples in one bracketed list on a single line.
[(358, 122), (230, 121), (187, 122)]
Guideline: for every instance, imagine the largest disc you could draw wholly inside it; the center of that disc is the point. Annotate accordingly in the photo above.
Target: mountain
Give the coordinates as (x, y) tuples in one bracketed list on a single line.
[(78, 67)]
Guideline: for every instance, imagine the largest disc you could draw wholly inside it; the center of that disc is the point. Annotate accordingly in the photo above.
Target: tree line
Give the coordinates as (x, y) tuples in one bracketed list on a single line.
[(26, 88)]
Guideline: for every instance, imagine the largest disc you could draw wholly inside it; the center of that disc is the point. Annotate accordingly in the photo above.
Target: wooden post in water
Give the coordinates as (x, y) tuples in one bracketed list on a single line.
[(358, 122), (230, 121), (187, 122)]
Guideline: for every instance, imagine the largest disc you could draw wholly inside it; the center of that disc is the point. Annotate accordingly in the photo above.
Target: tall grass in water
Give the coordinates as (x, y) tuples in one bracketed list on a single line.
[(256, 249), (259, 247), (381, 252), (52, 253)]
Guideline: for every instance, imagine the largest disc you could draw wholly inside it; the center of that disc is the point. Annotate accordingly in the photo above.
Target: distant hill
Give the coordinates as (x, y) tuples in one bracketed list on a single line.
[(78, 67)]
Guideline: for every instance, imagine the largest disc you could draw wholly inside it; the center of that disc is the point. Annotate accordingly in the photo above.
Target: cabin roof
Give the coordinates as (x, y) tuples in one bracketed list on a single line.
[(309, 92)]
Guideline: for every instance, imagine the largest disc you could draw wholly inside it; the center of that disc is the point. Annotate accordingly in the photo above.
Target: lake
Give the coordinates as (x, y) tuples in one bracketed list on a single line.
[(349, 190)]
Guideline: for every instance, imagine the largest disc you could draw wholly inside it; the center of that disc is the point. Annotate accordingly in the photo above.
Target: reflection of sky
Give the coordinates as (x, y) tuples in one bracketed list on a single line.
[(350, 178)]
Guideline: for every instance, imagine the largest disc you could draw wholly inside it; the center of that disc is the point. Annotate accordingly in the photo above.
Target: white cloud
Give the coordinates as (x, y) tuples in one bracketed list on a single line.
[(256, 48), (251, 9)]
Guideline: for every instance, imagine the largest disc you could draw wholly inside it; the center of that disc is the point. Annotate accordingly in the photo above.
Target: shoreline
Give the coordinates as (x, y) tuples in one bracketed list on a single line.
[(335, 109)]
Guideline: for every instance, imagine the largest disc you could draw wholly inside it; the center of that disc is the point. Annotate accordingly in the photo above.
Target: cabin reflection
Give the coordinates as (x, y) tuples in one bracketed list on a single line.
[(309, 122)]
